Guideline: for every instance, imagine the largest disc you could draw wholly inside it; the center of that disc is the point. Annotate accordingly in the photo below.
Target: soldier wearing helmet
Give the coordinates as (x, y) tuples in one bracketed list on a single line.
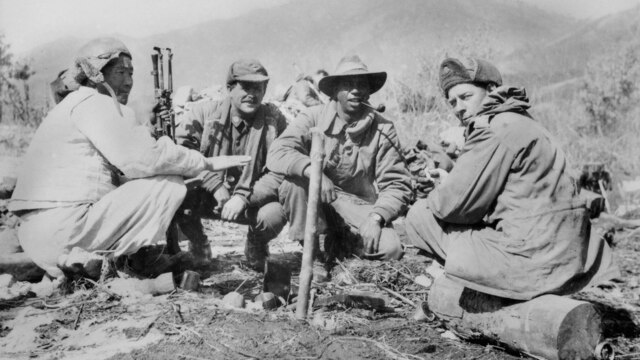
[(67, 195)]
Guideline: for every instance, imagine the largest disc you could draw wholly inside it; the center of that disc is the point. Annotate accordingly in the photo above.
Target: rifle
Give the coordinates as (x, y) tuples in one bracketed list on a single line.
[(162, 94)]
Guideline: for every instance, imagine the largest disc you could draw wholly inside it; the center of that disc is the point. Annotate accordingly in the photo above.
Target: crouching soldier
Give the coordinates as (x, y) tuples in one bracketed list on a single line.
[(507, 220), (239, 124), (365, 184), (66, 195)]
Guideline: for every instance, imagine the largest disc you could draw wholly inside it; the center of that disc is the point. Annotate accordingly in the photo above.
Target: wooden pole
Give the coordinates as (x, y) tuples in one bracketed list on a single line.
[(310, 230), (549, 326)]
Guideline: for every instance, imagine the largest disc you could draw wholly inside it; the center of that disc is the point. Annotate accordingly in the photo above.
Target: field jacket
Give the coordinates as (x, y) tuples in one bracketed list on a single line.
[(83, 143), (368, 165), (208, 129), (527, 230)]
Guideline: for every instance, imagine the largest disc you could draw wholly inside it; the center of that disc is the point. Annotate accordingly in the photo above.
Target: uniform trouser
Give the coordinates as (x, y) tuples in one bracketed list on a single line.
[(428, 233), (134, 215), (480, 258), (340, 220), (264, 216)]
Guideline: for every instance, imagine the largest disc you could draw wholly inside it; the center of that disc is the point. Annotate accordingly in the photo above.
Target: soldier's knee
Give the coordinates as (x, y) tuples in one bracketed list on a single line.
[(271, 218), (390, 246), (416, 212), (416, 216)]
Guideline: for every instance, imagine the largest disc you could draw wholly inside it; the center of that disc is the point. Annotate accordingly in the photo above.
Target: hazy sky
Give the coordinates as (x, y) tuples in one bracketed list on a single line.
[(29, 23)]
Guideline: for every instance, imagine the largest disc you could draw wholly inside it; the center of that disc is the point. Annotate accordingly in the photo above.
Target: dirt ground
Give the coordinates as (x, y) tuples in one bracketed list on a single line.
[(94, 322)]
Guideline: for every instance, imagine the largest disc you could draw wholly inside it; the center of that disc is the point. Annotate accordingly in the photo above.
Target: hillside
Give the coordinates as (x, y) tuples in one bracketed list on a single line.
[(390, 35), (566, 57)]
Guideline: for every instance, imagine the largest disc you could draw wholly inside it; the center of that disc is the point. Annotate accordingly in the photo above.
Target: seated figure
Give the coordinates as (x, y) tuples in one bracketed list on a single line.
[(507, 220)]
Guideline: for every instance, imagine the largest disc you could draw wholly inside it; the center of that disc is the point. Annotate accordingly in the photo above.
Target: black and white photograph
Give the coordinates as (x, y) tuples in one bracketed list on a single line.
[(320, 179)]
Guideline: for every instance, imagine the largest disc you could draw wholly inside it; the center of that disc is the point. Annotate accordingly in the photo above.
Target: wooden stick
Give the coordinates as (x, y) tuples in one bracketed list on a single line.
[(310, 231), (75, 323), (607, 207), (404, 299)]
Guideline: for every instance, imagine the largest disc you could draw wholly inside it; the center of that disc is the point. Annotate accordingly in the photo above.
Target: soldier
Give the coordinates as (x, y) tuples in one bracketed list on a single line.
[(239, 124), (303, 93), (66, 195), (507, 220), (365, 184)]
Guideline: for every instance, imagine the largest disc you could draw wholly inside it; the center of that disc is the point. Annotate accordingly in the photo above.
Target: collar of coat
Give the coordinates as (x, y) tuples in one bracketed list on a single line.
[(332, 124)]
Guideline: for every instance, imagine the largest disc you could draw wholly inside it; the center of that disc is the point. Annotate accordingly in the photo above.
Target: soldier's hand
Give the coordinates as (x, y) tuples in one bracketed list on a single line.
[(370, 230), (452, 139), (424, 185), (224, 162), (160, 111), (439, 174), (222, 196), (328, 192), (233, 208)]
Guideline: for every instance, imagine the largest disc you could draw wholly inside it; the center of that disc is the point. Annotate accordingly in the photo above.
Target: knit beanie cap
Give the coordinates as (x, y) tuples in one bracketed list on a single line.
[(466, 70)]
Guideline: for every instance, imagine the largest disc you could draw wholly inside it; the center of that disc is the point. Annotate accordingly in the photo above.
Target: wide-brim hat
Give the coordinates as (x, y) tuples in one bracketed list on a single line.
[(352, 66)]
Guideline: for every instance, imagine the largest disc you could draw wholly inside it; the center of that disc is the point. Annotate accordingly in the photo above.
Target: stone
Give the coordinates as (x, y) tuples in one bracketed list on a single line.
[(234, 299)]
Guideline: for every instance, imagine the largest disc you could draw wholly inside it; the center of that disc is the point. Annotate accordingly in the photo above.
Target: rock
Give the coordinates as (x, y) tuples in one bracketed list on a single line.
[(234, 299), (268, 300), (449, 335), (423, 281)]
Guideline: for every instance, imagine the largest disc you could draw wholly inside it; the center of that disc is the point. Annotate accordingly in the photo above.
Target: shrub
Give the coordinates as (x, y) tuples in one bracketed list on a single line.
[(610, 88)]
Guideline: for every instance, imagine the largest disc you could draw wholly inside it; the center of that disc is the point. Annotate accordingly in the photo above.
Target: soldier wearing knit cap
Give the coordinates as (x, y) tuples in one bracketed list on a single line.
[(468, 71), (507, 220)]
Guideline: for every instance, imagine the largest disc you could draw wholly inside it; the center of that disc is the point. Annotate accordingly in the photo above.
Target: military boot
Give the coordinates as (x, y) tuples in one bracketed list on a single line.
[(191, 226), (256, 251)]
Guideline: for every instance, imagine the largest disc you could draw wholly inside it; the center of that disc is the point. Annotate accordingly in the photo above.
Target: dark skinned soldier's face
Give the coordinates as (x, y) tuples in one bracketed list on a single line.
[(351, 92)]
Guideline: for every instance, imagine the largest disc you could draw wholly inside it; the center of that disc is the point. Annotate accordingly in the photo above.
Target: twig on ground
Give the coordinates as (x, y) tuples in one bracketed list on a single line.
[(183, 356), (344, 268), (75, 323), (146, 330), (389, 351), (400, 297), (251, 356), (101, 287), (629, 356), (241, 284)]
